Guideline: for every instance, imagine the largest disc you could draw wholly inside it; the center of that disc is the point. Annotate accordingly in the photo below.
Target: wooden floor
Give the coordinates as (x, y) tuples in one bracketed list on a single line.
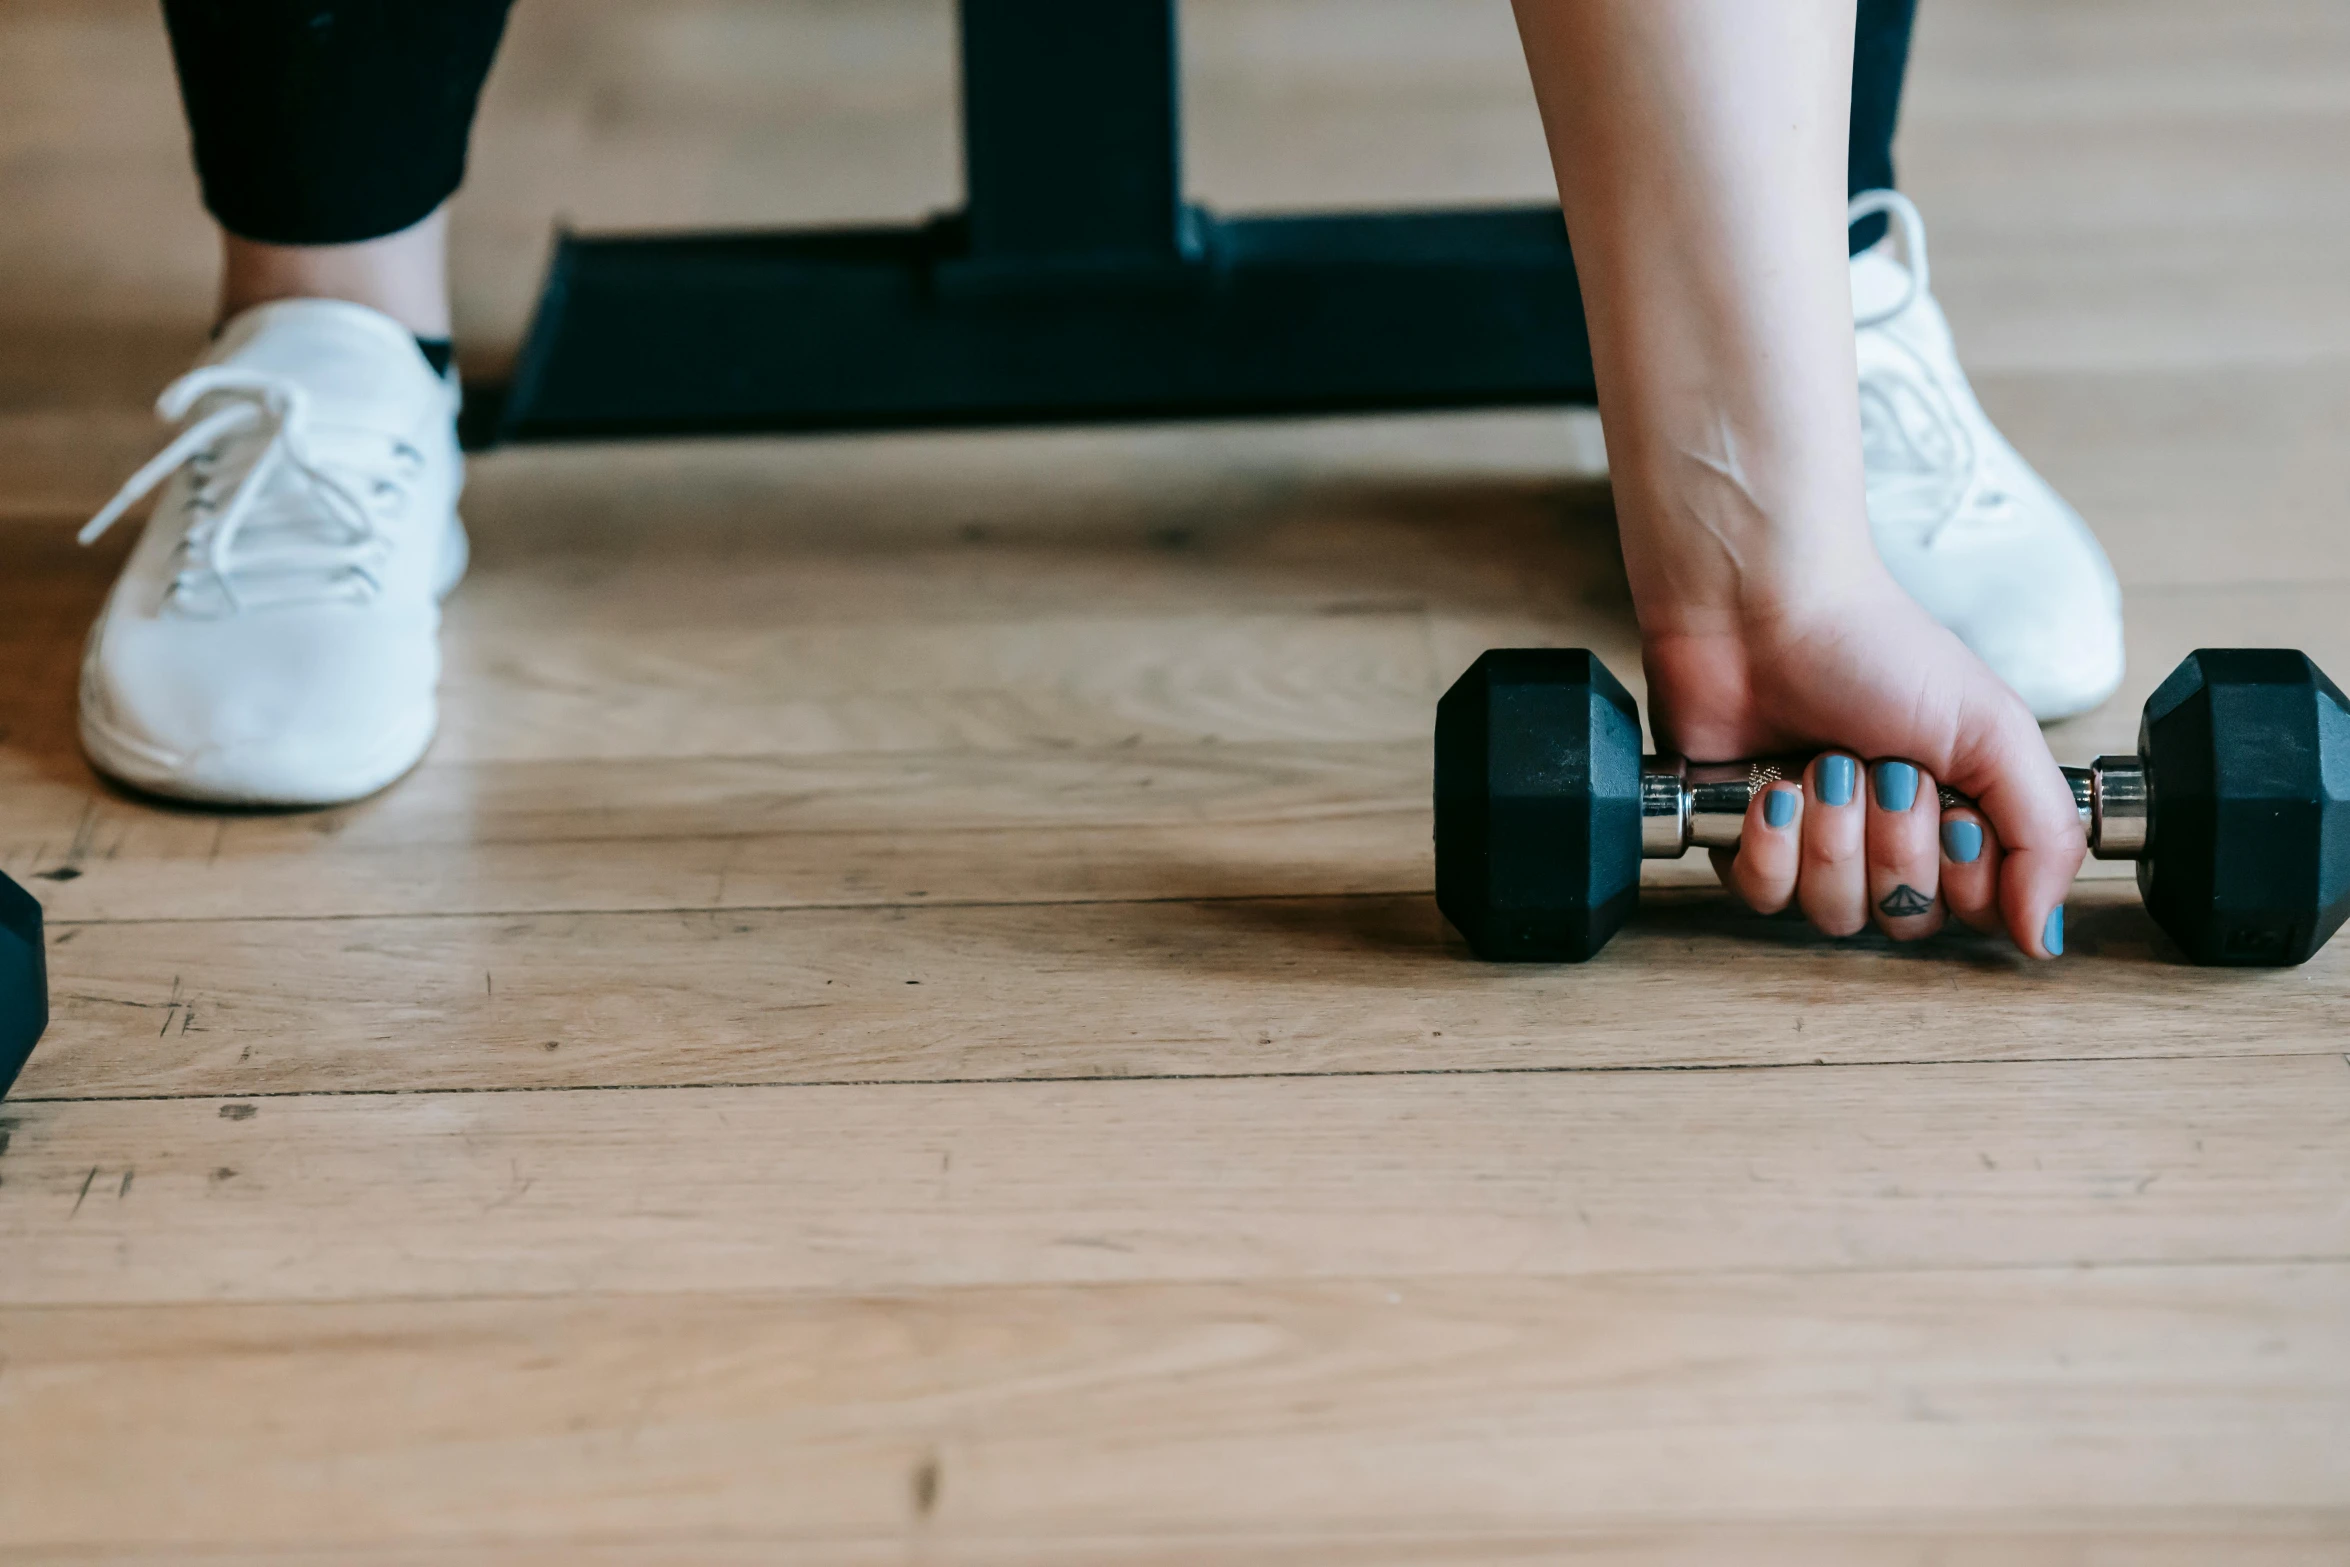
[(903, 1019)]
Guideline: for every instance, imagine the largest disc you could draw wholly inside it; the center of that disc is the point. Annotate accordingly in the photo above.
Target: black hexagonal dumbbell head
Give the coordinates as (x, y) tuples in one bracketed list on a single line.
[(24, 980), (2248, 759), (1537, 805)]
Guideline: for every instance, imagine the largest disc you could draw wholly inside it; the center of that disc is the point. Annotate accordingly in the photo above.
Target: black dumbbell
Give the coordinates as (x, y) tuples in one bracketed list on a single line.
[(2236, 807), (24, 980)]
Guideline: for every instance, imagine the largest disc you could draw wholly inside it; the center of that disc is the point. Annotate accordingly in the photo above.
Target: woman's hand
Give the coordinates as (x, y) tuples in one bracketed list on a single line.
[(1700, 152), (1901, 707)]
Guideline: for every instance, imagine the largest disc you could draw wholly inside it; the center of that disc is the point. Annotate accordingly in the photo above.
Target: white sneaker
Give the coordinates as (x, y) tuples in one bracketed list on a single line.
[(1964, 523), (274, 638)]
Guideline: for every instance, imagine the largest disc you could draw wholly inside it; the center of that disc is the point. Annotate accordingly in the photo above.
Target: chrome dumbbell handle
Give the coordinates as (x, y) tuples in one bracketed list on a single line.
[(2116, 800), (1685, 805)]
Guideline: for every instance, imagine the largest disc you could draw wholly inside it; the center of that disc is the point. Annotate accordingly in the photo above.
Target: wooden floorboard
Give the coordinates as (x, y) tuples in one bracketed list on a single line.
[(1504, 1405), (1050, 825), (1819, 1169), (2263, 1538), (1177, 987)]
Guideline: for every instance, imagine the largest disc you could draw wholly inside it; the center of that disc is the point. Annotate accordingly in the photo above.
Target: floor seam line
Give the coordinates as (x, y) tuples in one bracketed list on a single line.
[(1619, 1069)]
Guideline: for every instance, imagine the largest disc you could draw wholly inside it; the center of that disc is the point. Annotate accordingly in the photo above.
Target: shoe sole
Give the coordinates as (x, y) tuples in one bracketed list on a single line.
[(120, 760)]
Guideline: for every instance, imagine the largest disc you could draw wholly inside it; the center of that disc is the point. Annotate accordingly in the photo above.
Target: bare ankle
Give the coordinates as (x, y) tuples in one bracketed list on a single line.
[(403, 275)]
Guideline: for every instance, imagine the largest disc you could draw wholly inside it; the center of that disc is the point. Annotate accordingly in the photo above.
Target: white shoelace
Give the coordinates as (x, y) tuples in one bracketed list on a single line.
[(276, 519), (1921, 455)]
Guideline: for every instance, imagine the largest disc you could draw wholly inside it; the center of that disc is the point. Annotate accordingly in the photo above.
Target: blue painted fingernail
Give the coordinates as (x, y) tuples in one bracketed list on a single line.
[(1896, 784), (2052, 933), (1836, 780), (1962, 841), (1778, 807)]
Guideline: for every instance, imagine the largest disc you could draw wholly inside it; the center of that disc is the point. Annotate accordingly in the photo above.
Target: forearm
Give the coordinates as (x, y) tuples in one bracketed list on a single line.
[(1700, 148)]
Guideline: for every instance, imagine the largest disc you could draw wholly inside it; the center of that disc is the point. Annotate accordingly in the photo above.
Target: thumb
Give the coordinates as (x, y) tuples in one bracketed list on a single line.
[(2004, 765)]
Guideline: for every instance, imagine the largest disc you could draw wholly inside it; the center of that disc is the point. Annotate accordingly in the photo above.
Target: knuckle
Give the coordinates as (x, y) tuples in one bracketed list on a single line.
[(1831, 852)]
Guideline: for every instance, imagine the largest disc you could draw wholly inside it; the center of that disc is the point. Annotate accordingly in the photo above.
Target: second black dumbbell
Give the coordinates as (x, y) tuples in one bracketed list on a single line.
[(2236, 806), (24, 980)]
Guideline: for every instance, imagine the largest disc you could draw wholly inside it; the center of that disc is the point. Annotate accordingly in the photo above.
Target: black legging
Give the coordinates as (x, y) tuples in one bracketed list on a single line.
[(321, 122)]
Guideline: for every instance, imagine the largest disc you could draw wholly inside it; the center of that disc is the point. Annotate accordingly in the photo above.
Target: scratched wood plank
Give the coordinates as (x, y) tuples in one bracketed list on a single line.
[(755, 832), (1506, 1406), (1244, 986), (2270, 1538), (888, 1188), (2042, 1538)]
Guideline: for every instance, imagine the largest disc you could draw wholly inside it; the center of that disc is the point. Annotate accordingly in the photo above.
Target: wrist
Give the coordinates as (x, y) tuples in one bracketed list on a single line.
[(1704, 575), (1725, 520)]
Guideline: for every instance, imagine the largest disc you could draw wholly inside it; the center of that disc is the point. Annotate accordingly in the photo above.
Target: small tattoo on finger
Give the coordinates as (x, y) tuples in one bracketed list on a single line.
[(1904, 902)]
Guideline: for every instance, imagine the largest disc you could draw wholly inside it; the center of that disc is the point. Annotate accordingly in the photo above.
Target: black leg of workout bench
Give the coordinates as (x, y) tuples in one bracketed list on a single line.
[(1072, 145), (1076, 285)]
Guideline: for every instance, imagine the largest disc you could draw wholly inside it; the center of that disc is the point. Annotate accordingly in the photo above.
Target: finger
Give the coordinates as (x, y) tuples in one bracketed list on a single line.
[(2005, 766), (1905, 869), (1770, 849), (1832, 880), (1970, 867)]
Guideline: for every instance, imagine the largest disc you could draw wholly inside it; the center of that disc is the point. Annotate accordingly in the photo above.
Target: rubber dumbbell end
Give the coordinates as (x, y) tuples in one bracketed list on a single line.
[(2248, 764), (24, 980), (1537, 805)]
